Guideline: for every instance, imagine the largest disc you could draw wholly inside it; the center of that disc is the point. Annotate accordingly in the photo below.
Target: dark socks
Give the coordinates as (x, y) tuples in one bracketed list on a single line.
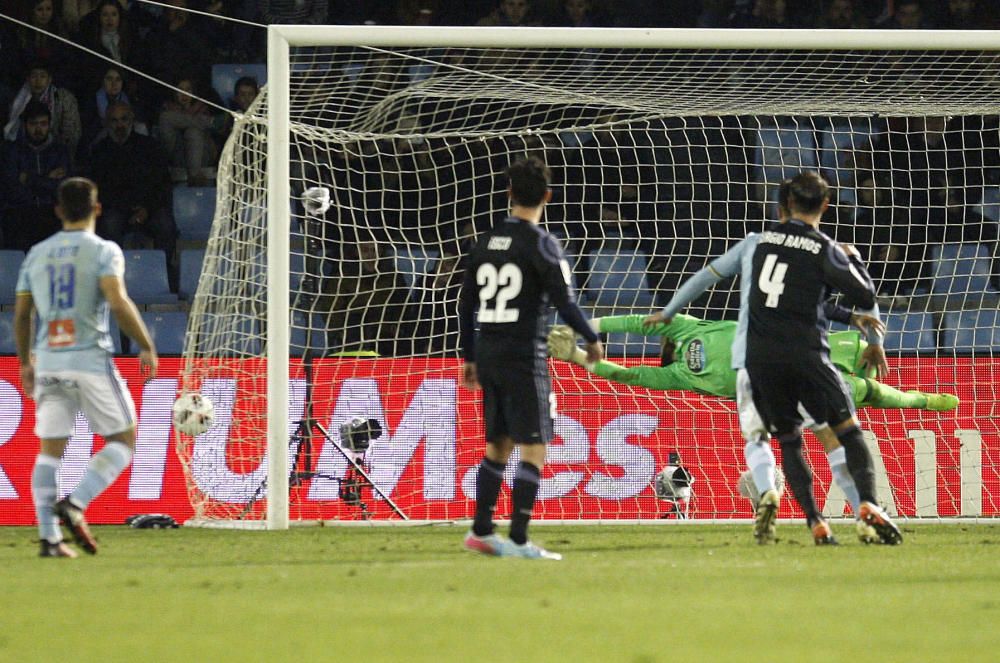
[(859, 463), (798, 475), (525, 490), (488, 482)]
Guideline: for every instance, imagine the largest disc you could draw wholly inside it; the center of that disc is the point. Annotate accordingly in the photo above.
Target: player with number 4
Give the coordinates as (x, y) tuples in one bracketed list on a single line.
[(515, 273)]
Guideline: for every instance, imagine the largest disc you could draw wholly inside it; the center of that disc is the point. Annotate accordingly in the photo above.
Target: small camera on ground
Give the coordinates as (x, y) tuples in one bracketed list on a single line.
[(358, 433)]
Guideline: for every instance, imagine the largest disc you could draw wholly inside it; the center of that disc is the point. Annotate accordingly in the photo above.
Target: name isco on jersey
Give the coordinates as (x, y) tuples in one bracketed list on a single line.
[(791, 241)]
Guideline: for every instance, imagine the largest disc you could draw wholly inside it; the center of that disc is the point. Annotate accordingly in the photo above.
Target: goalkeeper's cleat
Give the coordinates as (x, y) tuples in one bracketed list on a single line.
[(822, 534), (493, 545), (765, 516), (866, 533), (939, 402), (57, 549), (880, 521), (529, 550), (72, 517)]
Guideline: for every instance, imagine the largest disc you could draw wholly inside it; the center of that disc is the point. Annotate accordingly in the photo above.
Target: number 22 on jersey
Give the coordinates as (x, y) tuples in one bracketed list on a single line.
[(772, 279), (497, 287)]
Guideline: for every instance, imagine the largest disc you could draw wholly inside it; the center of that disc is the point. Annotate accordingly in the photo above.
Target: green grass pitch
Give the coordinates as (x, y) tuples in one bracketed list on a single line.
[(636, 594)]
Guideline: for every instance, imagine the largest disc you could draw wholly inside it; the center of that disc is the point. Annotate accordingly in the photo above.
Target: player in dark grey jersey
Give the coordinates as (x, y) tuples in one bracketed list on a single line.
[(514, 275), (795, 269)]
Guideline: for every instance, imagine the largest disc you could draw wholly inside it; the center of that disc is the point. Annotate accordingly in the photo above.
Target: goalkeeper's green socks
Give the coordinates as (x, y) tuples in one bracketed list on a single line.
[(884, 396)]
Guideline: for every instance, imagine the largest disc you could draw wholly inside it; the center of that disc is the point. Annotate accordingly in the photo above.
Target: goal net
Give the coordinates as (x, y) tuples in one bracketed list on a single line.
[(666, 148)]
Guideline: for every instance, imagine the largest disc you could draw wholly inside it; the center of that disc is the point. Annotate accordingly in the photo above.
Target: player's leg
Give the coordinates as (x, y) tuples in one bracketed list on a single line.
[(869, 392), (489, 477), (108, 406), (760, 460), (837, 459), (55, 412)]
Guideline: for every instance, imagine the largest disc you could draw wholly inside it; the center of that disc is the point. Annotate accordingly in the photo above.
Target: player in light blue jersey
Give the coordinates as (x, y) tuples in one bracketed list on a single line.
[(73, 280), (759, 457)]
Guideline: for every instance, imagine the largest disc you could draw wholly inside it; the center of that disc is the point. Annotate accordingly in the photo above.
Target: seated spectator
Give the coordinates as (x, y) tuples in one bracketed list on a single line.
[(765, 14), (297, 12), (182, 47), (964, 15), (63, 110), (839, 15), (579, 14), (186, 131), (909, 15), (95, 107), (245, 91), (33, 166), (132, 174), (38, 41), (511, 13), (365, 303), (73, 12), (108, 31), (436, 296)]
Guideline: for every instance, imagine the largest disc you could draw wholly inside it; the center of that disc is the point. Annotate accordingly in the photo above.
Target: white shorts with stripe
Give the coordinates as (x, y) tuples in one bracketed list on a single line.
[(751, 423), (103, 398)]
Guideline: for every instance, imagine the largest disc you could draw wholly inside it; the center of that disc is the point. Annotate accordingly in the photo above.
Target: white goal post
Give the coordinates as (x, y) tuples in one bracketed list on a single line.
[(772, 82)]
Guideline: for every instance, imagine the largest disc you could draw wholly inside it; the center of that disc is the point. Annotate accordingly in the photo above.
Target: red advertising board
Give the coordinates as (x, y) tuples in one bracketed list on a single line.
[(612, 441)]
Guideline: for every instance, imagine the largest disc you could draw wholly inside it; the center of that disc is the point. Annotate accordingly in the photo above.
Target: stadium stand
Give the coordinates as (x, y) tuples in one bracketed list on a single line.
[(10, 263), (413, 262), (972, 331), (194, 208), (146, 277)]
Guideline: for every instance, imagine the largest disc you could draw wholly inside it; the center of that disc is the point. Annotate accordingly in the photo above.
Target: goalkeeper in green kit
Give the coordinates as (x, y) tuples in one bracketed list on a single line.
[(695, 356)]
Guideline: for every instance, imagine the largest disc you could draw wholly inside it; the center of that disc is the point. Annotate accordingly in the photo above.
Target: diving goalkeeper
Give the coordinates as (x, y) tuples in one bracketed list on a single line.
[(695, 356)]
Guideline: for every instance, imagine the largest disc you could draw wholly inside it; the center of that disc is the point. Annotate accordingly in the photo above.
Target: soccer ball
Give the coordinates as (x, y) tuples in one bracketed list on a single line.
[(193, 414)]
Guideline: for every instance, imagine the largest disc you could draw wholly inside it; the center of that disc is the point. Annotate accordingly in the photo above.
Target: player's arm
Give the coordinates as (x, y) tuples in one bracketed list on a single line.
[(467, 328), (129, 321), (24, 307), (723, 267), (555, 272), (867, 322), (845, 272), (562, 345)]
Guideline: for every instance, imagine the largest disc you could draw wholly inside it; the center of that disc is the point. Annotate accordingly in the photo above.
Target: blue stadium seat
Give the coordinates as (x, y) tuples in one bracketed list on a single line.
[(224, 77), (909, 332), (413, 262), (7, 333), (167, 329), (618, 280), (191, 262), (961, 269), (146, 277), (194, 209), (973, 330), (784, 149), (10, 263)]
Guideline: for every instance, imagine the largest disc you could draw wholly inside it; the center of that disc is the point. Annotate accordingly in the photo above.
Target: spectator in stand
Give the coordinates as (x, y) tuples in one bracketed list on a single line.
[(909, 15), (35, 43), (365, 303), (292, 12), (107, 30), (839, 15), (132, 174), (74, 11), (964, 15), (765, 14), (63, 109), (33, 167), (186, 127), (436, 296), (182, 47), (510, 13), (95, 107), (580, 14)]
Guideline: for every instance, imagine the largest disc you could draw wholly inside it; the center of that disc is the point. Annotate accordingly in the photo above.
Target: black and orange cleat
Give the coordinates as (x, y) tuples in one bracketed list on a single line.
[(72, 517), (822, 534), (884, 527), (57, 549)]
